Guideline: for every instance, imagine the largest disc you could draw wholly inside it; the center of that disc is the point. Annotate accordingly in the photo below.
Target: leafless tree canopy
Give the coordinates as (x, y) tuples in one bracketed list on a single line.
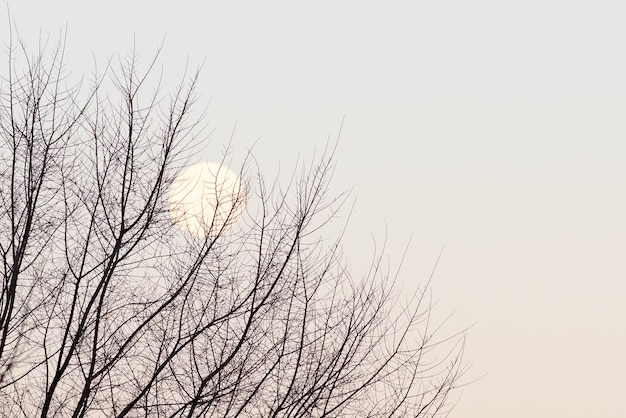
[(107, 308)]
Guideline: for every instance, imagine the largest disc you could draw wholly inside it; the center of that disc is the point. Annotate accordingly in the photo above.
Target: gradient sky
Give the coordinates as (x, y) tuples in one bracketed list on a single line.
[(496, 128)]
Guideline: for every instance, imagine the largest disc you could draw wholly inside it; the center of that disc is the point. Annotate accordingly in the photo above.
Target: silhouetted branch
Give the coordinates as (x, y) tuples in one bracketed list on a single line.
[(107, 307)]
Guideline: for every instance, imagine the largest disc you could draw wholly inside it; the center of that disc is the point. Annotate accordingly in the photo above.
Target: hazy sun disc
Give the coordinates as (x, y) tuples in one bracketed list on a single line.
[(206, 197)]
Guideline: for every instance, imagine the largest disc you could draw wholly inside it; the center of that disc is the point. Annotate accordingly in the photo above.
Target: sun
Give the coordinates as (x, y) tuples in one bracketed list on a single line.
[(206, 198)]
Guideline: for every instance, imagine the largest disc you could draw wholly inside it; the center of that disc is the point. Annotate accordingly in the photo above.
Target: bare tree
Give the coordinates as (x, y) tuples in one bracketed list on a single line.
[(107, 308)]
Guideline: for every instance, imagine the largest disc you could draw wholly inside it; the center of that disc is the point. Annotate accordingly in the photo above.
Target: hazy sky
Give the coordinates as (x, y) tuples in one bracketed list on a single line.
[(496, 128)]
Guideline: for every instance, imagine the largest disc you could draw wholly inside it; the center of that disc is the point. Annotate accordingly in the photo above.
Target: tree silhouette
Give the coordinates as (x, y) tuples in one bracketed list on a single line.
[(108, 308)]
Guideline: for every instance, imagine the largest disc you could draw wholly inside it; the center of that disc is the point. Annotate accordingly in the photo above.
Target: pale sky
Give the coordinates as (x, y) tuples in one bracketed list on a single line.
[(496, 128)]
